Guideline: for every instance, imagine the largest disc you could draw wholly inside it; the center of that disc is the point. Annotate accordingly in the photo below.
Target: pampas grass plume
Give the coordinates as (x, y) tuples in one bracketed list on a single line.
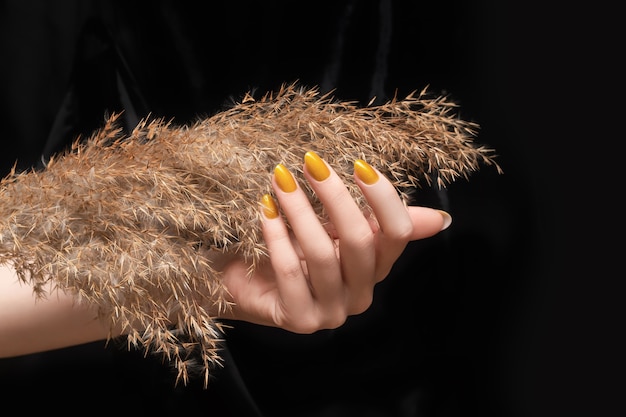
[(132, 222)]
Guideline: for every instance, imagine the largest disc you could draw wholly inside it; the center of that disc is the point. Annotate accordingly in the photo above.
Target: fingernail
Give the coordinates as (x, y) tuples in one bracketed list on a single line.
[(270, 209), (284, 179), (316, 167), (447, 219), (365, 172)]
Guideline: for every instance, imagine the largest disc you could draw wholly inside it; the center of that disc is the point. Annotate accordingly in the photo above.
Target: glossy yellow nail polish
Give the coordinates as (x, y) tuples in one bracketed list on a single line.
[(284, 179), (270, 209), (316, 167), (365, 172)]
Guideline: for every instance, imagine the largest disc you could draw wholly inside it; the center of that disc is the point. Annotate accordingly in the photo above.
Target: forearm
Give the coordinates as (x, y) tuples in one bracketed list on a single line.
[(29, 324)]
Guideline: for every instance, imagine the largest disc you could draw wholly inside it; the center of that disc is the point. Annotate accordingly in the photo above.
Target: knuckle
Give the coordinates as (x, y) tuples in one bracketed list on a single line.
[(290, 271), (362, 303), (325, 255), (401, 232), (314, 323), (336, 317), (337, 321), (309, 326), (362, 239), (365, 240)]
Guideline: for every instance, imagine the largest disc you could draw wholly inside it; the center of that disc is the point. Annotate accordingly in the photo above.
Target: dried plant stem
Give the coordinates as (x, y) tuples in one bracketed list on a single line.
[(132, 222)]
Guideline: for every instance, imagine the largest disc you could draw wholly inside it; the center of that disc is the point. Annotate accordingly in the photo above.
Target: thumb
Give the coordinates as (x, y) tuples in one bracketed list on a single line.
[(427, 221)]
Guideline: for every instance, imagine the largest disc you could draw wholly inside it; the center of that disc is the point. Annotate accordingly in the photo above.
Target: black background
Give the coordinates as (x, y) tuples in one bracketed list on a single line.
[(534, 315)]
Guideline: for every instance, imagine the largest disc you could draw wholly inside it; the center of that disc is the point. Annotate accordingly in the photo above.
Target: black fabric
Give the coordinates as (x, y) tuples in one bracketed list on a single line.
[(437, 340)]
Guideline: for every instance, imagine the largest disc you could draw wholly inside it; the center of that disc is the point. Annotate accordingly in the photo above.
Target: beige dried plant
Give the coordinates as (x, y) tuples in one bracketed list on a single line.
[(131, 222)]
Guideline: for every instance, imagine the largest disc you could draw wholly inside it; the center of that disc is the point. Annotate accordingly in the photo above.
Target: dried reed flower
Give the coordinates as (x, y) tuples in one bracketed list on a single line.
[(132, 222)]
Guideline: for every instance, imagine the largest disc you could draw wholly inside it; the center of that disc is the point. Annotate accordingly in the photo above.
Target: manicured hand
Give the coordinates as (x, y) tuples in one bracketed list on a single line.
[(318, 274)]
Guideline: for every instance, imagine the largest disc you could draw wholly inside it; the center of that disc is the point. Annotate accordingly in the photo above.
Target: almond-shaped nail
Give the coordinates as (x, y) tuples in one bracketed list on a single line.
[(270, 209), (284, 179), (365, 172), (447, 219), (316, 166)]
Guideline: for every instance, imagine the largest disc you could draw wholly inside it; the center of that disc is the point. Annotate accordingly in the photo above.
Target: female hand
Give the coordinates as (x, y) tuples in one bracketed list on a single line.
[(318, 276)]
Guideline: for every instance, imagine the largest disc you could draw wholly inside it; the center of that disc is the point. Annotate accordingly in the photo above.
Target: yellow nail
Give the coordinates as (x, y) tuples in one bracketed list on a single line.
[(316, 167), (365, 172), (284, 179), (270, 209)]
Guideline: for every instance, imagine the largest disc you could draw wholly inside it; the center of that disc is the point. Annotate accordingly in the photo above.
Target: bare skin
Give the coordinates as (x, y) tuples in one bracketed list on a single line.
[(317, 276)]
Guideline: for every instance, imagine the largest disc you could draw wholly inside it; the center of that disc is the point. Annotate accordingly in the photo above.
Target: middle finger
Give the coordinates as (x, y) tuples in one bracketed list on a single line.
[(356, 239), (317, 246)]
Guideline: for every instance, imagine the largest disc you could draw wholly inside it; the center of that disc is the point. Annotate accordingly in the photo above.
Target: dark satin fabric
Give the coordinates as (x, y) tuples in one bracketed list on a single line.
[(432, 344)]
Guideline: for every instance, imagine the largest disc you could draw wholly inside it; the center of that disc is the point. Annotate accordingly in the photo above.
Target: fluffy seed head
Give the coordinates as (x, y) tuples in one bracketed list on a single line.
[(132, 222)]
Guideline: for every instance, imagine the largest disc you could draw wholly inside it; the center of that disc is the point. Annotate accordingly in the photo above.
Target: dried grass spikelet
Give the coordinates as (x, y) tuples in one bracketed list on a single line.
[(131, 222)]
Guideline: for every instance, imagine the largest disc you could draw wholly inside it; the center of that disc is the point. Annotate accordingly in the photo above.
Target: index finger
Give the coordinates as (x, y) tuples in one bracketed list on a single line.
[(397, 224), (385, 202)]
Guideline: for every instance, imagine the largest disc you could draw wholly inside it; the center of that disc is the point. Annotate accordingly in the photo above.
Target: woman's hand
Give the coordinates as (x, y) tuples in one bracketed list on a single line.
[(318, 276)]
